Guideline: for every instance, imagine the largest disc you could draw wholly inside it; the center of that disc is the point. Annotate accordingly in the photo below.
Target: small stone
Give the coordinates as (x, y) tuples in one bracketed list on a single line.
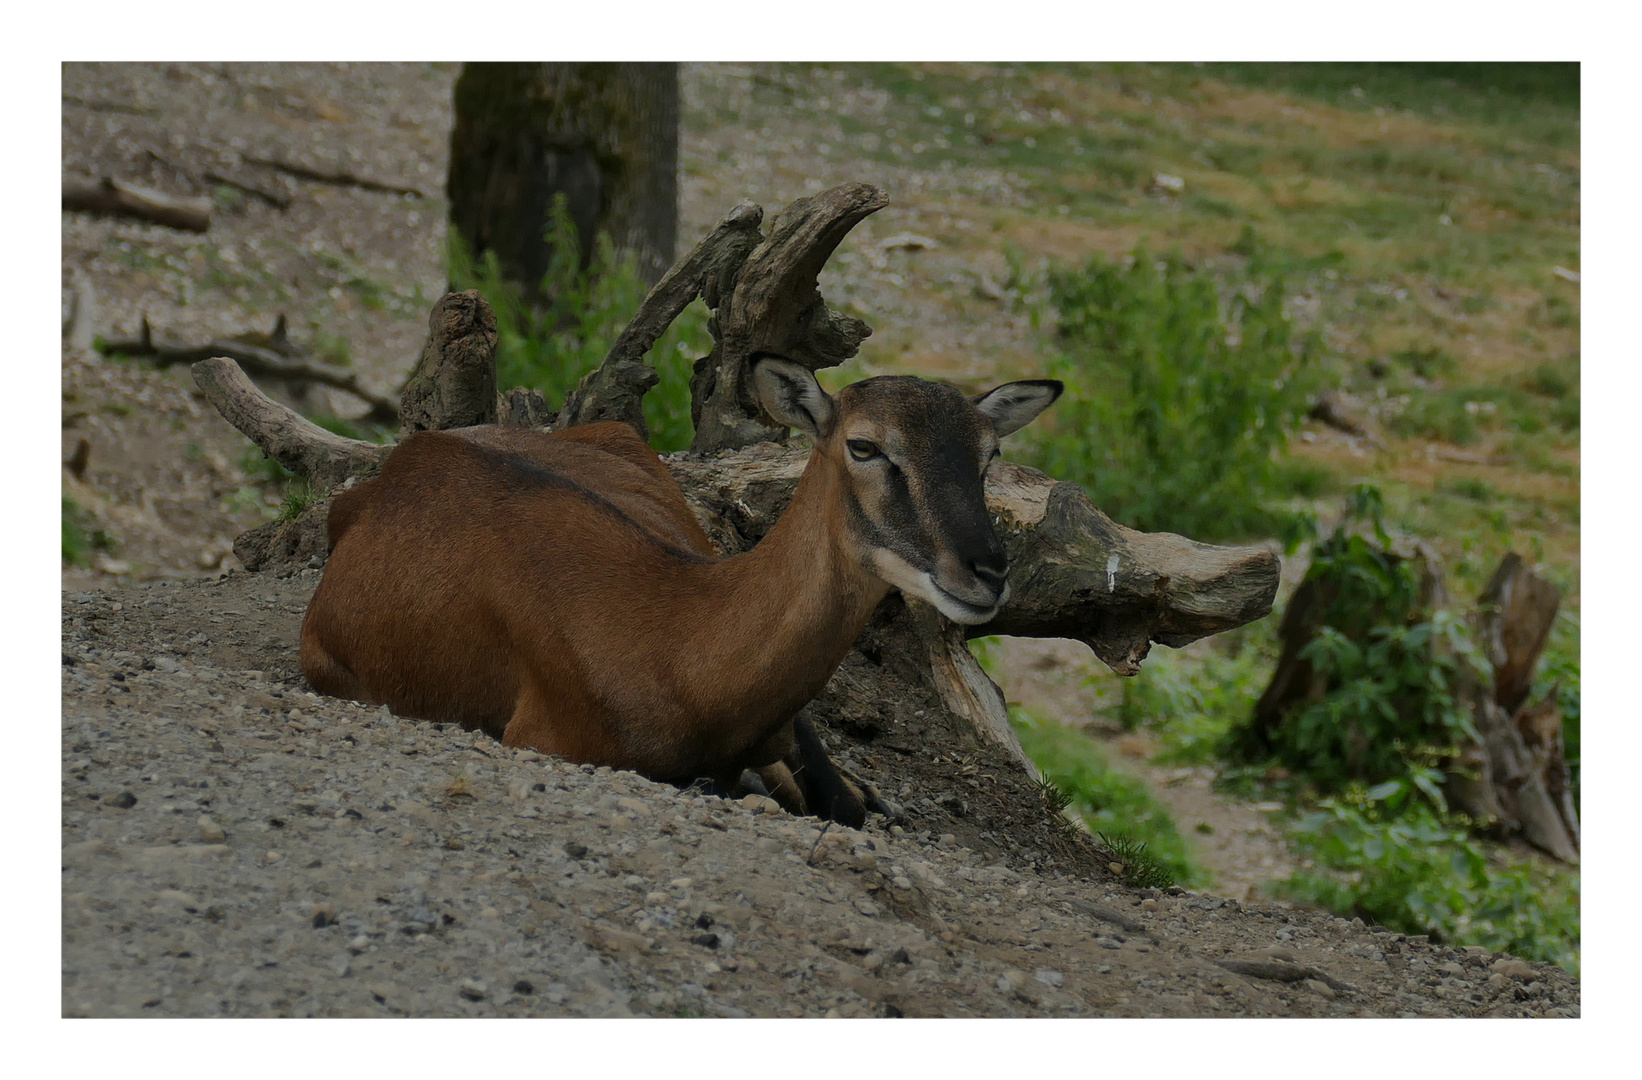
[(1317, 986), (524, 986), (473, 990), (175, 897), (1108, 943), (575, 850), (1509, 965), (1049, 977), (706, 941), (124, 800), (360, 943), (1148, 904), (322, 915), (210, 831), (658, 899)]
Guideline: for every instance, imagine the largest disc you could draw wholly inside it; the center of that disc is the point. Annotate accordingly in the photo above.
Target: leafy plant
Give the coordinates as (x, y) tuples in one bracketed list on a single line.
[(1383, 854), (79, 538), (1391, 668), (1180, 397), (551, 339)]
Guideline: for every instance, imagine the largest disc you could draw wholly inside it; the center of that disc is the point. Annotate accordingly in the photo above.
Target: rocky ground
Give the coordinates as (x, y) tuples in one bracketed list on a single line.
[(233, 845)]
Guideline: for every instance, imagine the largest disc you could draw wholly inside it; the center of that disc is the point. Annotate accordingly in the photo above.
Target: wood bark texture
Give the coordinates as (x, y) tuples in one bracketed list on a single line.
[(615, 389), (605, 135), (1519, 773), (454, 382), (774, 305), (116, 198)]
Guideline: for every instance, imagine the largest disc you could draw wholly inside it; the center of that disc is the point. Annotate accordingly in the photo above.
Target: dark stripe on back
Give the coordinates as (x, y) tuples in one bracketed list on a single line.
[(513, 469)]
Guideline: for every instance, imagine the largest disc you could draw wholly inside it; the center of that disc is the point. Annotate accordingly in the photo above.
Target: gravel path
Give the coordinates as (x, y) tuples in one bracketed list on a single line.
[(236, 846)]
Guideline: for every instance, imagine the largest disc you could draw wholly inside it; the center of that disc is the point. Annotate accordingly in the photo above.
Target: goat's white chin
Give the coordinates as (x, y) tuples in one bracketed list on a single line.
[(961, 611), (913, 582)]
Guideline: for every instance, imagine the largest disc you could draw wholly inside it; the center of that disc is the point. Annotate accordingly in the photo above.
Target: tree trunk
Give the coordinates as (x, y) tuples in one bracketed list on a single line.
[(604, 135)]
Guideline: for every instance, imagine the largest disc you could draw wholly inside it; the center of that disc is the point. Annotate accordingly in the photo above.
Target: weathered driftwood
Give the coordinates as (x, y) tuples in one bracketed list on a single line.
[(272, 359), (296, 442), (774, 306), (1074, 573), (615, 389), (116, 198), (1518, 776), (454, 383)]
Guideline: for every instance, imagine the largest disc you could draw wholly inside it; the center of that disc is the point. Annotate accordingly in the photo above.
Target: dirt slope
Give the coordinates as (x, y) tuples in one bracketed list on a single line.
[(236, 846)]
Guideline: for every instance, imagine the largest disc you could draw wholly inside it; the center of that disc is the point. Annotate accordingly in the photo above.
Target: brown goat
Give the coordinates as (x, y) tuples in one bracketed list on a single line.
[(554, 589)]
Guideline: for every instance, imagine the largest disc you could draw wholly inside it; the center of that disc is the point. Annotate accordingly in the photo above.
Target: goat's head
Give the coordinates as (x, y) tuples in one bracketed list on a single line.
[(912, 457)]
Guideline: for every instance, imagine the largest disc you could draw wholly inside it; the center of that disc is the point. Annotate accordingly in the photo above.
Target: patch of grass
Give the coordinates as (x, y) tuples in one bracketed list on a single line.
[(1108, 800), (298, 498), (1470, 487), (1138, 866), (1419, 872), (79, 538)]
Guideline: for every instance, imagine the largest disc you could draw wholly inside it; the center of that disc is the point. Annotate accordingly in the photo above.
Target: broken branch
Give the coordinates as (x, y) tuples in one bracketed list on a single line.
[(285, 435), (117, 198)]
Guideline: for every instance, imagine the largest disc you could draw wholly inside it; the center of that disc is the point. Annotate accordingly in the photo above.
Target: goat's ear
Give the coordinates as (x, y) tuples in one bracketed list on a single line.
[(1013, 405), (790, 394)]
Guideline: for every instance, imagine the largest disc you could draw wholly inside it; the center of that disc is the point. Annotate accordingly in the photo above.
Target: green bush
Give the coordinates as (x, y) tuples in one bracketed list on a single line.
[(551, 340), (79, 539), (1179, 401), (1387, 856), (1390, 667)]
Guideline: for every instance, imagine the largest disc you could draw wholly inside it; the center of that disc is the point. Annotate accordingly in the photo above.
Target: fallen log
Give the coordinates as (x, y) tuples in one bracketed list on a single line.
[(116, 198)]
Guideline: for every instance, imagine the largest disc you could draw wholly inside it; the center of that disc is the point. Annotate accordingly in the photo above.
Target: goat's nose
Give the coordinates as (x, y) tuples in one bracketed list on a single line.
[(992, 568)]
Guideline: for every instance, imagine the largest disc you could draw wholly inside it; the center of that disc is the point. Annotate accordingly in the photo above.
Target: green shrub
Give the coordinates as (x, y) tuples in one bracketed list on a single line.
[(79, 539), (1386, 856), (1389, 666), (1179, 401), (549, 341)]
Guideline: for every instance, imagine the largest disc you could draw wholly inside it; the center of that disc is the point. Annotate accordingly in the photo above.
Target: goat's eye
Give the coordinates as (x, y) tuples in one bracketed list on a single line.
[(861, 450)]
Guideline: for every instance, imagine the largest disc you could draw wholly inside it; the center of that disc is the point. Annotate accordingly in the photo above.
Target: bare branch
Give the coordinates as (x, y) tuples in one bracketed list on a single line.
[(283, 434), (119, 199)]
